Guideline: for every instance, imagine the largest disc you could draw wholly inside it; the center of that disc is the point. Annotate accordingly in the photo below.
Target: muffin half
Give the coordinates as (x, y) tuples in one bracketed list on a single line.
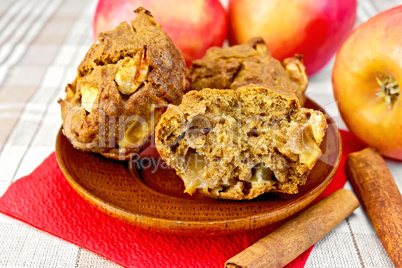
[(238, 144)]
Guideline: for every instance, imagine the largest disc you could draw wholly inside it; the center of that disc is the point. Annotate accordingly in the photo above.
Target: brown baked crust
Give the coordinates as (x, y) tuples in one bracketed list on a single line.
[(129, 76), (227, 143), (248, 64)]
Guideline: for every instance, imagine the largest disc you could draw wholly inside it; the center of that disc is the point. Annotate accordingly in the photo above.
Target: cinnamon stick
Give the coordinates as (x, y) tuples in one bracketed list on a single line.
[(294, 237), (380, 198)]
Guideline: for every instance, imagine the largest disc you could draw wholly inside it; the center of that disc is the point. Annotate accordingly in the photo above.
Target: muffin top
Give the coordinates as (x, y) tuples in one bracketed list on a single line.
[(249, 64)]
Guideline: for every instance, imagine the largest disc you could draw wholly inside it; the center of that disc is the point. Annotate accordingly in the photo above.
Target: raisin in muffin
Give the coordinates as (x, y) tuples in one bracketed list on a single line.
[(238, 144), (248, 64), (123, 85)]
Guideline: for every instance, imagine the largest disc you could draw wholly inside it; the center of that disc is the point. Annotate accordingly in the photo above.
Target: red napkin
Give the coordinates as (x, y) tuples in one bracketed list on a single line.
[(45, 200)]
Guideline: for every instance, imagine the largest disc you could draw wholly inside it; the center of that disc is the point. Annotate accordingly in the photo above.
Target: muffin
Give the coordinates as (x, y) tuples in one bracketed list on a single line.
[(240, 143), (248, 64), (123, 85)]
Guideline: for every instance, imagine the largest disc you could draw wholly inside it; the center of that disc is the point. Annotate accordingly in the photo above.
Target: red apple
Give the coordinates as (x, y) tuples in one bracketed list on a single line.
[(193, 25), (313, 28), (366, 81)]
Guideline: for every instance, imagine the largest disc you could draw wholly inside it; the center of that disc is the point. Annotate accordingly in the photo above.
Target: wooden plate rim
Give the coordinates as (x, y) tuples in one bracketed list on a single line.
[(156, 223)]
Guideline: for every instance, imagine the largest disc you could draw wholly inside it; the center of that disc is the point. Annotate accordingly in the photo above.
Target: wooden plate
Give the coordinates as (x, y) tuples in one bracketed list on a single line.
[(153, 198)]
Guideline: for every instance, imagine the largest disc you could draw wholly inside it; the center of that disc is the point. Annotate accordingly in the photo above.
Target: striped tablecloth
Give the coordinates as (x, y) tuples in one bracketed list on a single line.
[(41, 44)]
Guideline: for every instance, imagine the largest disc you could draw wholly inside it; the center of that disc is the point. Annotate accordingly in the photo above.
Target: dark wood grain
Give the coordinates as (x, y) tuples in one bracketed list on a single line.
[(380, 198)]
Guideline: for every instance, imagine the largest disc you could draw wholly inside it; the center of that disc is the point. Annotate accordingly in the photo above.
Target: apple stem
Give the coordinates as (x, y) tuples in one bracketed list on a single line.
[(389, 89)]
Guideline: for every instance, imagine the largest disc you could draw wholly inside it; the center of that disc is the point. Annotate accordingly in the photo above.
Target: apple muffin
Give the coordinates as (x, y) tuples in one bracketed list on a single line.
[(248, 64), (123, 85), (240, 143)]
